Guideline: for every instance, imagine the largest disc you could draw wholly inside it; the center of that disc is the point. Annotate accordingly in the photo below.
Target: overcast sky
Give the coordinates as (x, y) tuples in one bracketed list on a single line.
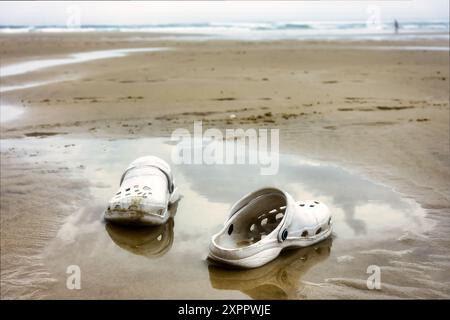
[(122, 13)]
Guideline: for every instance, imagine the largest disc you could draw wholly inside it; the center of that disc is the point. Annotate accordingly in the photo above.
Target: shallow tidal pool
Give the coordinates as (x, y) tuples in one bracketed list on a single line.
[(170, 261)]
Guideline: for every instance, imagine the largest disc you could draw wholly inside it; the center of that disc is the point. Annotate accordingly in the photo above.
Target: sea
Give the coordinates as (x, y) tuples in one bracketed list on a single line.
[(258, 31)]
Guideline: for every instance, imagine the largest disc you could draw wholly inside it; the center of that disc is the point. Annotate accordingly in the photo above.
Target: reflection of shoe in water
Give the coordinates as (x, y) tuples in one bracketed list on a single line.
[(145, 241), (279, 279)]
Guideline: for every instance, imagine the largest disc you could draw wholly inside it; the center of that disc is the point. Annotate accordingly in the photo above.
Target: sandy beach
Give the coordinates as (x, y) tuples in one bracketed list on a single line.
[(375, 114)]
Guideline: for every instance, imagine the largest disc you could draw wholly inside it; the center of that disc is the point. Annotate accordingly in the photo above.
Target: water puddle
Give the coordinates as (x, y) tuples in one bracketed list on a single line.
[(352, 46), (8, 113), (30, 66), (8, 88), (404, 48), (169, 261)]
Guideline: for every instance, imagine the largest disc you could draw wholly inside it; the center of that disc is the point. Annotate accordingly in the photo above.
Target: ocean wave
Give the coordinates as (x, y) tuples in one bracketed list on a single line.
[(259, 30)]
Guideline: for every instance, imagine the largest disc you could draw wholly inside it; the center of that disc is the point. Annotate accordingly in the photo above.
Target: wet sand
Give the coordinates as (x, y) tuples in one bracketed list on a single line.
[(372, 124)]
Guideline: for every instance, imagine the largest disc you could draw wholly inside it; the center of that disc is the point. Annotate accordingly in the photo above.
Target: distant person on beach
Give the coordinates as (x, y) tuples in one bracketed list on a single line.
[(396, 26)]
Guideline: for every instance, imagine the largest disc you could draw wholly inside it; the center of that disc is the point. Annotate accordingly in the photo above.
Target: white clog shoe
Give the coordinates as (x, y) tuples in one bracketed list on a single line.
[(147, 188), (265, 222)]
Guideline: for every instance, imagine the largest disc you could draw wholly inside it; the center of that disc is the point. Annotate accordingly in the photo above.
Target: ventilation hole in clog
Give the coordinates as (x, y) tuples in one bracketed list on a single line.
[(284, 234), (159, 237), (273, 211), (316, 202), (302, 204), (252, 227), (263, 222), (127, 194), (230, 229), (305, 233), (118, 193), (311, 206), (136, 186), (329, 221), (109, 208), (144, 197), (283, 207), (279, 216), (117, 206), (127, 189), (319, 231), (146, 188)]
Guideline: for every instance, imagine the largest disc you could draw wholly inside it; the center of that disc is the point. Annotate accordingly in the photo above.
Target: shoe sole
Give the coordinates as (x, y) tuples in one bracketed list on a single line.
[(266, 255)]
